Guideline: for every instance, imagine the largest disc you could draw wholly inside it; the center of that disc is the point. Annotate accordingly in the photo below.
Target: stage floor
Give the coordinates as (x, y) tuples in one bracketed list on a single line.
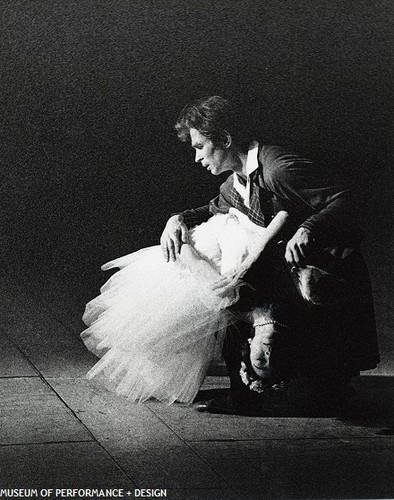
[(60, 431)]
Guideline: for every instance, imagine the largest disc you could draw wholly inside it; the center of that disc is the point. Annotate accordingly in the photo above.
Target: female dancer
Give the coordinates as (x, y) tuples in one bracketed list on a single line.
[(157, 325)]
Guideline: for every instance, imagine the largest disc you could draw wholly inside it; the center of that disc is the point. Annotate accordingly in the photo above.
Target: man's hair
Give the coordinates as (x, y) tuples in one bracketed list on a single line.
[(214, 117)]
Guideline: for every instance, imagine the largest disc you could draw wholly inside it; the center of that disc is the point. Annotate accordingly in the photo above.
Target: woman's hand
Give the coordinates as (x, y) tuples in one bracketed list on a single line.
[(298, 247), (173, 236)]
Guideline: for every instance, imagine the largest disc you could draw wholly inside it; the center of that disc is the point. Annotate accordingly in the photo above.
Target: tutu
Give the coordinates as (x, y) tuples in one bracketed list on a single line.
[(157, 325)]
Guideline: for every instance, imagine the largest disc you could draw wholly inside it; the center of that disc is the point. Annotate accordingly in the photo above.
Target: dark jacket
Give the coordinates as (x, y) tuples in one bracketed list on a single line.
[(344, 331)]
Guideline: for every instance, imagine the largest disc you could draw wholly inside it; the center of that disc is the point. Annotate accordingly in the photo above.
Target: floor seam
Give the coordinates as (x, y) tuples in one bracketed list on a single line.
[(43, 443), (347, 438), (53, 390), (194, 451)]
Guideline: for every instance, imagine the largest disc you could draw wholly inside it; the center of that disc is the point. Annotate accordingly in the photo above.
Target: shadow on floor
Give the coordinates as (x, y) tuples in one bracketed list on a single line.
[(369, 403), (372, 404)]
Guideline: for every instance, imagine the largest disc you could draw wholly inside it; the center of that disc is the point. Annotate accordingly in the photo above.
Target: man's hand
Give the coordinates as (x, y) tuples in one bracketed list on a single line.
[(174, 234), (298, 248)]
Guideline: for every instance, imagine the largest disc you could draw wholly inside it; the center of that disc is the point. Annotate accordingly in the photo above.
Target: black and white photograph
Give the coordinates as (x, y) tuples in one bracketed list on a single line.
[(196, 249)]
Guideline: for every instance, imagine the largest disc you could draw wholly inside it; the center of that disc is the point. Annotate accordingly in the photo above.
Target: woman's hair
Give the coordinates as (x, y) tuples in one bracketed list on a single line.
[(215, 117)]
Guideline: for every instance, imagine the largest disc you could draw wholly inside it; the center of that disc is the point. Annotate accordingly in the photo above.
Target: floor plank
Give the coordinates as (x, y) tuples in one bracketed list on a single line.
[(65, 465), (31, 412), (113, 420), (313, 468), (136, 438)]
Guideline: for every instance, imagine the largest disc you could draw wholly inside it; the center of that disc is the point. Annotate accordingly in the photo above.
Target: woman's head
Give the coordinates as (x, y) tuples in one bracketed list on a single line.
[(266, 359)]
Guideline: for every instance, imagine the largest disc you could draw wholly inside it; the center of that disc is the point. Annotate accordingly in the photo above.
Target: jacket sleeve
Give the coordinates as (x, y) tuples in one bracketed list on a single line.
[(194, 216), (218, 205), (222, 203), (329, 208)]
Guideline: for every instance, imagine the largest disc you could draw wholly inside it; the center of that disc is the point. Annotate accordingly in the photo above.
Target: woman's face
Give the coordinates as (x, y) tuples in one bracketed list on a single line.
[(271, 353), (260, 354), (215, 158)]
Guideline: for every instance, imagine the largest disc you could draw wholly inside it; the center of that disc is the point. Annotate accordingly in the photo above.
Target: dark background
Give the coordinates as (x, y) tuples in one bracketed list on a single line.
[(90, 90)]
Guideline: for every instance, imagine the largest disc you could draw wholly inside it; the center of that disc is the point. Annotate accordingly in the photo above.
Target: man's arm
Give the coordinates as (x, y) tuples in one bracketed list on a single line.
[(176, 229), (194, 216), (331, 205), (173, 236), (175, 232), (329, 208)]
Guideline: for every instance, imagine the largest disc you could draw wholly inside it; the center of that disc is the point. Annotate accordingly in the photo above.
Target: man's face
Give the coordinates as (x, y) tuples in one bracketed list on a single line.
[(213, 157)]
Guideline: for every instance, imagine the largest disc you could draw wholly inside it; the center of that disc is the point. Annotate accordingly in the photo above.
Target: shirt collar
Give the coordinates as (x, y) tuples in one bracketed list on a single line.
[(252, 162)]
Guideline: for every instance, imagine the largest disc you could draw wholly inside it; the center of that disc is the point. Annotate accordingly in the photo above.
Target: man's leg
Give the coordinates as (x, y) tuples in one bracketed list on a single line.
[(236, 337), (238, 399)]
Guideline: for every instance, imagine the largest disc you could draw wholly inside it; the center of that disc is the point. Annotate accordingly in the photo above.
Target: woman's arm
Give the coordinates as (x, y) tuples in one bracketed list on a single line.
[(224, 284), (272, 234), (275, 229)]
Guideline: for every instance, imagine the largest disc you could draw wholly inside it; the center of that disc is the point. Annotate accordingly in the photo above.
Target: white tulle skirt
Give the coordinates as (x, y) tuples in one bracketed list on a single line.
[(158, 325)]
